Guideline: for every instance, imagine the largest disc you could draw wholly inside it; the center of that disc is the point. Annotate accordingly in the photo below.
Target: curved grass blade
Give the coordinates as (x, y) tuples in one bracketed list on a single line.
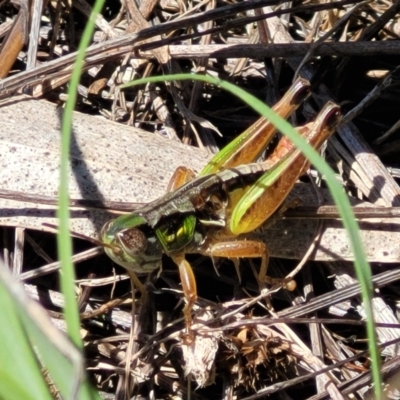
[(343, 204)]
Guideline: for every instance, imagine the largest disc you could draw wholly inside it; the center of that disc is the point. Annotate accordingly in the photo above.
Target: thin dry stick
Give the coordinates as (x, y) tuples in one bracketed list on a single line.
[(314, 46), (37, 8), (373, 95), (57, 72)]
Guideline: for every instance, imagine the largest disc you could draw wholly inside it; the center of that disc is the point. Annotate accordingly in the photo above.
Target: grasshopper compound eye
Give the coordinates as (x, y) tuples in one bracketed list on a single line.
[(133, 241)]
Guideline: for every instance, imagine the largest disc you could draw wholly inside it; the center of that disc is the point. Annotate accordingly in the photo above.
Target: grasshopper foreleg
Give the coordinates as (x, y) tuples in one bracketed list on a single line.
[(188, 287)]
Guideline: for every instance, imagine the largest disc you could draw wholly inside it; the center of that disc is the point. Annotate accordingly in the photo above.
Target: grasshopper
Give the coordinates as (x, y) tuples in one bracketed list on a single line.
[(233, 195)]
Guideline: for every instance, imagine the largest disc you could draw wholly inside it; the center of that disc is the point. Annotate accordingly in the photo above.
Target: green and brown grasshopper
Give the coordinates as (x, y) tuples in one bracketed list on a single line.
[(233, 195)]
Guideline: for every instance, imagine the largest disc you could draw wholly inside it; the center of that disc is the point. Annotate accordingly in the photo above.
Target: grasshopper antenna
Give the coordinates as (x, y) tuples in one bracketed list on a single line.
[(94, 241)]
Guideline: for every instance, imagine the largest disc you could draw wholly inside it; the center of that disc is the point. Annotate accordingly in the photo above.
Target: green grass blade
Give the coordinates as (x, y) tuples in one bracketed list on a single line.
[(343, 204), (32, 347), (64, 239), (15, 346)]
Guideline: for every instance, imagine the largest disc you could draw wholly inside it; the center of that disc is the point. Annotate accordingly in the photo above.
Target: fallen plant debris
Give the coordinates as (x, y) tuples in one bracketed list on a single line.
[(248, 344)]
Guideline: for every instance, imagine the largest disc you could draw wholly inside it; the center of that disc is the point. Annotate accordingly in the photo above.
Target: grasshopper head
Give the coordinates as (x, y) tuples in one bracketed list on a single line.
[(132, 243)]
